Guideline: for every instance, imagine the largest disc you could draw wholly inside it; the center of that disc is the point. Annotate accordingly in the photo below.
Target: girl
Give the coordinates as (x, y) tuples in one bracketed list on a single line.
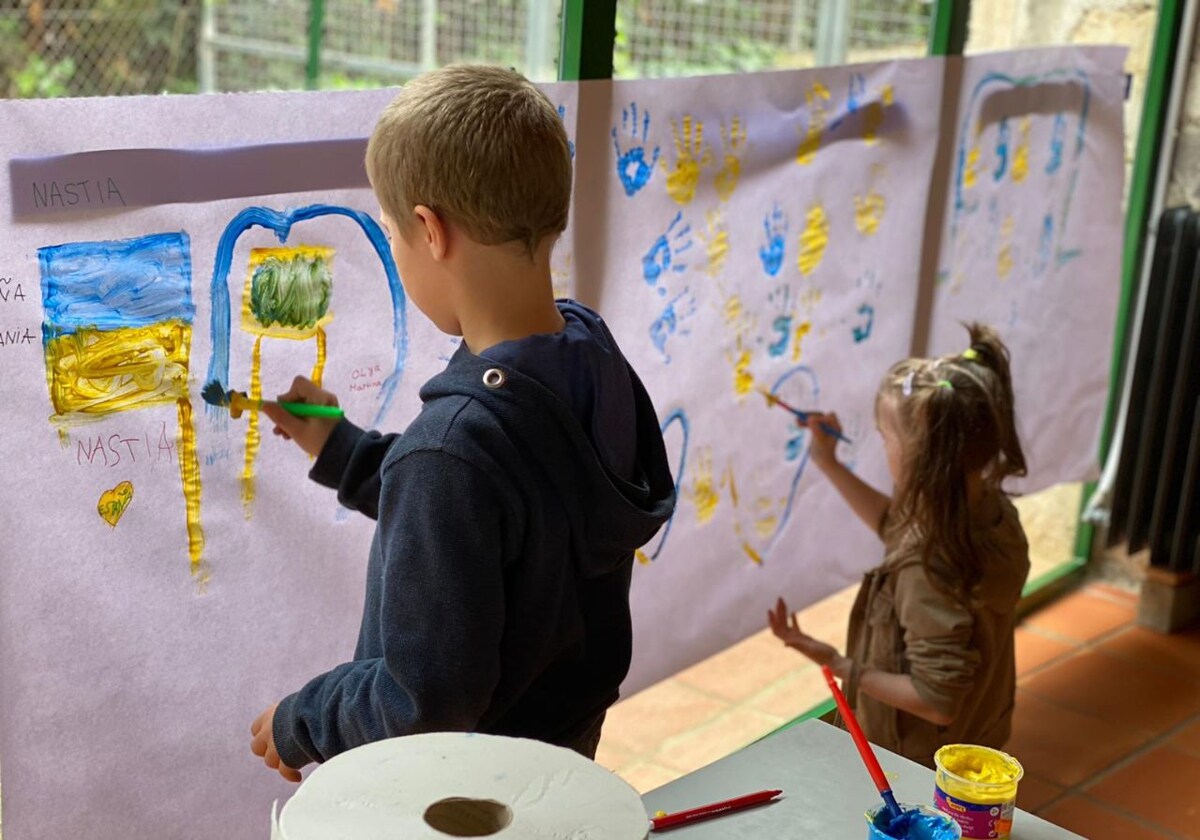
[(930, 647)]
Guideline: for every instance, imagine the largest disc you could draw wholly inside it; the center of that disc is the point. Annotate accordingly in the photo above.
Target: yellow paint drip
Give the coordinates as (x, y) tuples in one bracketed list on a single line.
[(1020, 169), (252, 435), (189, 474), (716, 242), (751, 553), (642, 557), (704, 491), (813, 240), (92, 373), (743, 379), (971, 170), (868, 212), (804, 329), (318, 370)]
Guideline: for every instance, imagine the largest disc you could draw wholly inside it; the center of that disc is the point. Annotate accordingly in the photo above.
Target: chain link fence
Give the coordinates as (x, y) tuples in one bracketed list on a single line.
[(97, 47), (105, 47)]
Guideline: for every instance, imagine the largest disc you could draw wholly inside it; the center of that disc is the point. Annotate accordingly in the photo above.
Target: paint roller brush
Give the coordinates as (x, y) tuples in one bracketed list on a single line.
[(237, 402), (802, 416), (890, 805)]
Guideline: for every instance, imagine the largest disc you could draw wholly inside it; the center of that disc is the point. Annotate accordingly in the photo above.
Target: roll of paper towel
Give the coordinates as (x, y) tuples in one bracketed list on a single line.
[(452, 784)]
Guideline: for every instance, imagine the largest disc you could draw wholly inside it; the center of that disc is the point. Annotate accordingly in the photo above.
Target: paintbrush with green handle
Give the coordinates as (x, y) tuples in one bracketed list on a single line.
[(237, 402)]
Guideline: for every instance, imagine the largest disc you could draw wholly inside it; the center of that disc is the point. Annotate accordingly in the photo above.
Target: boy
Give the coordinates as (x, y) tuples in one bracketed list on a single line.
[(508, 513)]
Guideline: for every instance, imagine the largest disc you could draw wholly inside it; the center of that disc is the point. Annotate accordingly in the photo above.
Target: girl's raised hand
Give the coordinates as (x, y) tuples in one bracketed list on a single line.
[(823, 449), (787, 628)]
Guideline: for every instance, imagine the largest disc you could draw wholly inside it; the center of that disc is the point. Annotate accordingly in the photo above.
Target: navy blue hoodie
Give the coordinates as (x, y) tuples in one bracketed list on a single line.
[(498, 581)]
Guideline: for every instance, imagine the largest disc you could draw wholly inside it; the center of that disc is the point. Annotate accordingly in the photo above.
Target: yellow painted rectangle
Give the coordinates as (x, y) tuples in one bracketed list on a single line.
[(259, 256), (93, 373)]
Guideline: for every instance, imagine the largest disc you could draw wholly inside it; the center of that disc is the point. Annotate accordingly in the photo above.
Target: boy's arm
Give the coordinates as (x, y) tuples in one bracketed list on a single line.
[(441, 618), (350, 463)]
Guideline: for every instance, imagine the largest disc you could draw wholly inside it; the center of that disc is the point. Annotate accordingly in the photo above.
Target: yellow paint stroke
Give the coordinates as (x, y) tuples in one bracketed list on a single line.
[(810, 297), (112, 504), (752, 554), (1004, 260), (318, 370), (743, 379), (868, 212), (813, 240), (642, 557), (260, 256), (874, 114), (971, 169), (804, 329), (252, 435), (733, 145), (766, 526), (733, 311), (92, 373), (691, 155), (716, 242), (189, 474), (1020, 168), (810, 142), (731, 482), (704, 491)]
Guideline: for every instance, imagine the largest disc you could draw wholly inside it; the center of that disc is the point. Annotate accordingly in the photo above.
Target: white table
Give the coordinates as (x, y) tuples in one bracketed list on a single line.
[(826, 790)]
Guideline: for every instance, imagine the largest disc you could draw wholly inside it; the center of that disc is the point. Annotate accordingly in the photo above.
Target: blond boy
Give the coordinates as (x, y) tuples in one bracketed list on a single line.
[(497, 593)]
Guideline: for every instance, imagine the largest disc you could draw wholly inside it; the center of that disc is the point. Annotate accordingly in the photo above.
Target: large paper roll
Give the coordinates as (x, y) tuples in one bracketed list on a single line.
[(430, 787)]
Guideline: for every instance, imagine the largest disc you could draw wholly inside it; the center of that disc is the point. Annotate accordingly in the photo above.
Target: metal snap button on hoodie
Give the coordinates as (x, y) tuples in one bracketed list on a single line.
[(493, 377)]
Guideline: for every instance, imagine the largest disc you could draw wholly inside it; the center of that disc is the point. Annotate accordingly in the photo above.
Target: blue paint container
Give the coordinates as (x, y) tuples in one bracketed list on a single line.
[(918, 823)]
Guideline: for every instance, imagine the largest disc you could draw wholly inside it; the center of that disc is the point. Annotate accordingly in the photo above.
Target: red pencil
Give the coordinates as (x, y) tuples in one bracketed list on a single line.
[(706, 811)]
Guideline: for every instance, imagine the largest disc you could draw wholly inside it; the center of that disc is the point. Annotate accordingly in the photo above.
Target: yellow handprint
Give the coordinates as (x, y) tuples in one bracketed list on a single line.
[(1020, 168), (733, 144), (691, 155), (875, 113), (704, 491), (811, 141), (813, 240), (716, 242)]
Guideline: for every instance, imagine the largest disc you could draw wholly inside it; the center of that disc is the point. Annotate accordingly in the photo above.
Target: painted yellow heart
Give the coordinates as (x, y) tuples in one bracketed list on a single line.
[(113, 502)]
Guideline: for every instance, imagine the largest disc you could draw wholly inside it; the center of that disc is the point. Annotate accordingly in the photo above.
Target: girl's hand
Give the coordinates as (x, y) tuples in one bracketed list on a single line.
[(787, 629), (823, 449)]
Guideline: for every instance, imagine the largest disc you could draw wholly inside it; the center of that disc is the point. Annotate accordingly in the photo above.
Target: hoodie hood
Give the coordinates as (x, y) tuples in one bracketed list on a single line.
[(611, 515)]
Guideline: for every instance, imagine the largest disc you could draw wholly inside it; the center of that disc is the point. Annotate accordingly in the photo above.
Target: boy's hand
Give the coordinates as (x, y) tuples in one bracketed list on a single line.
[(310, 433), (823, 449), (787, 629), (262, 744)]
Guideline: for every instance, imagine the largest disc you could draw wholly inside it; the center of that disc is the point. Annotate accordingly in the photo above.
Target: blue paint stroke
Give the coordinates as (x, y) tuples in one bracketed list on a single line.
[(667, 323), (782, 325), (677, 416), (1045, 245), (775, 225), (1056, 144), (281, 223), (1002, 132), (806, 372), (632, 167), (562, 115), (964, 133), (115, 284), (863, 331), (664, 253)]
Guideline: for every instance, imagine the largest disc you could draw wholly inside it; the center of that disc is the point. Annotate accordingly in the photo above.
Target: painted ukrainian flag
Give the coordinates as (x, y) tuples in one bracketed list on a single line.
[(117, 334)]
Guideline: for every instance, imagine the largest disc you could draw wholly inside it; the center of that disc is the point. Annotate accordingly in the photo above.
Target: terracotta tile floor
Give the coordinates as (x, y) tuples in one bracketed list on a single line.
[(1107, 722)]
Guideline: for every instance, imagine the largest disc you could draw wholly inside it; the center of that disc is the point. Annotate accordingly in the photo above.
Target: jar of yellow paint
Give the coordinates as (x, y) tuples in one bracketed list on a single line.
[(977, 786)]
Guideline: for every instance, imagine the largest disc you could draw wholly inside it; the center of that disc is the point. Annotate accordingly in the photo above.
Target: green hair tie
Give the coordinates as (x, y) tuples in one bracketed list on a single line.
[(945, 383), (971, 355)]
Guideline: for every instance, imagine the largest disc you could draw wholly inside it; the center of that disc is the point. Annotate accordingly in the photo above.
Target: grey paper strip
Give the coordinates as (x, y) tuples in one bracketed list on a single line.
[(115, 179)]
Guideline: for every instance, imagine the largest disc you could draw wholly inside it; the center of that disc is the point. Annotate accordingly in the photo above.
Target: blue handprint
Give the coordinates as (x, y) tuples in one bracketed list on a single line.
[(1001, 149), (667, 323), (562, 115), (775, 225), (863, 331), (664, 253), (632, 166)]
